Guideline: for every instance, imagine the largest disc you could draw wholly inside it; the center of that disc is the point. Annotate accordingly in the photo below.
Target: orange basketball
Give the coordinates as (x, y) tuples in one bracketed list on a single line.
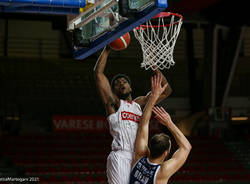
[(121, 43)]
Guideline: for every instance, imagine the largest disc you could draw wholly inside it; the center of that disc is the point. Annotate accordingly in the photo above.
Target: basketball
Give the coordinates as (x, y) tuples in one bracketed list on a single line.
[(121, 43)]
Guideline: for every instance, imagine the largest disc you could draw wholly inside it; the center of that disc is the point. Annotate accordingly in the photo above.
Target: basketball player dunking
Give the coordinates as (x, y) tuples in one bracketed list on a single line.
[(123, 115)]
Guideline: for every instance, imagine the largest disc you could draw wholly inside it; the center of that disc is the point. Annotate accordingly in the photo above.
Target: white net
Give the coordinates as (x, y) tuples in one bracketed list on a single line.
[(157, 38)]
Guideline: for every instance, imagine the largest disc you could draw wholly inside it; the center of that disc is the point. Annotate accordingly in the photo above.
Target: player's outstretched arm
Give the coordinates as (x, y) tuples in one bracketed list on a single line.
[(142, 100), (170, 166), (103, 86), (141, 143), (168, 89)]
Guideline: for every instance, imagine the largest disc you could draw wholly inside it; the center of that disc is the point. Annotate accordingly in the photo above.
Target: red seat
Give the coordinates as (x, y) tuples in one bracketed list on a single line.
[(64, 169), (98, 169), (76, 178), (101, 178), (52, 179), (89, 178), (42, 170), (52, 170), (64, 178)]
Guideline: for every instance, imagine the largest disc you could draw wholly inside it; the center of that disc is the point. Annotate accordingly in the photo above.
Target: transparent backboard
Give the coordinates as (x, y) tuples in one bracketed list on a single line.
[(98, 22), (105, 22), (102, 23)]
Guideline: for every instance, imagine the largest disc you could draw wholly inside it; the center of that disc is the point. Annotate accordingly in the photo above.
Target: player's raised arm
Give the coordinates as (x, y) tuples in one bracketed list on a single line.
[(170, 166), (142, 100), (141, 143), (103, 86), (168, 89)]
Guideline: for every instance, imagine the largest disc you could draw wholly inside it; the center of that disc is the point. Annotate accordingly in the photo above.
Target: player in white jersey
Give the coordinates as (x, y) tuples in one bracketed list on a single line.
[(123, 116), (149, 164)]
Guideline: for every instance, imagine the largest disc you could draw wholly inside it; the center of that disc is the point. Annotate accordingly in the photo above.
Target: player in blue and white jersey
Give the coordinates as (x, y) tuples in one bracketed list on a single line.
[(149, 164)]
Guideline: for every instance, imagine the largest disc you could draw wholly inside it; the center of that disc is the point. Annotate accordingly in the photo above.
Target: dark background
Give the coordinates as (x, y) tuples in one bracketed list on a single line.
[(40, 79)]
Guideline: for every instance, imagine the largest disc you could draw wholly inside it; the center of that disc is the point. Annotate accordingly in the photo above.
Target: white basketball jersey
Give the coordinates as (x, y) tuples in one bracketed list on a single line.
[(124, 124)]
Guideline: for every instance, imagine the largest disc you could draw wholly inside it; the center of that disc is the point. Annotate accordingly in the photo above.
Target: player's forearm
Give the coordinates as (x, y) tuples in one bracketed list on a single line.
[(101, 62), (180, 139), (168, 89), (142, 133), (148, 110)]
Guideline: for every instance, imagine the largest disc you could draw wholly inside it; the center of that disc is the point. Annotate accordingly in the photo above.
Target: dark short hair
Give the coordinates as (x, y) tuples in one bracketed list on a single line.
[(118, 76), (158, 144)]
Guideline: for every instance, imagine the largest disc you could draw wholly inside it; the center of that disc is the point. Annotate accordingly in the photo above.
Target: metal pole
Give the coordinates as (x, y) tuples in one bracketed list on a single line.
[(233, 66), (214, 66), (6, 35)]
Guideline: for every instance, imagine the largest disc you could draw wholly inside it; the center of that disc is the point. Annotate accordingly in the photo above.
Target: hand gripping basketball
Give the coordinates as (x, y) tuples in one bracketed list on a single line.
[(121, 43)]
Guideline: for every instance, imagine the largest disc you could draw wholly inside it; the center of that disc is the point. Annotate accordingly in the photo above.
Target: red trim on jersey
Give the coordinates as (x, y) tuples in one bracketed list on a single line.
[(130, 116), (128, 102)]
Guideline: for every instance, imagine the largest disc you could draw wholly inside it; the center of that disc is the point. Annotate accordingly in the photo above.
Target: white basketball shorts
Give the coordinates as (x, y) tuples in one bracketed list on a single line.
[(119, 167)]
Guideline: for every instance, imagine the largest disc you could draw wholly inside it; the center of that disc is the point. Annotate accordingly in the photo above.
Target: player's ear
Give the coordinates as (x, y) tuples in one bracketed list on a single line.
[(130, 88), (165, 154)]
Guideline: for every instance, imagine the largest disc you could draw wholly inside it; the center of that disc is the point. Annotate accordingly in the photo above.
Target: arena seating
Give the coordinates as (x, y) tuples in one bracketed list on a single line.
[(81, 158)]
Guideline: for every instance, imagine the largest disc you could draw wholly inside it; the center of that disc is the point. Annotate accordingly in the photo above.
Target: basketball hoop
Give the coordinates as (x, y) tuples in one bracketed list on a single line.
[(157, 38)]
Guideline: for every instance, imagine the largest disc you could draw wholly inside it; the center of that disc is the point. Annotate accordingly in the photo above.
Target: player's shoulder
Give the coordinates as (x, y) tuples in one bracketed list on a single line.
[(162, 175), (140, 100), (165, 171), (137, 106), (136, 103)]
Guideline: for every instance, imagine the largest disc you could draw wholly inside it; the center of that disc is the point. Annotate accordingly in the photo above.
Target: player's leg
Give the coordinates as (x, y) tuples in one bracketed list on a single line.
[(118, 169)]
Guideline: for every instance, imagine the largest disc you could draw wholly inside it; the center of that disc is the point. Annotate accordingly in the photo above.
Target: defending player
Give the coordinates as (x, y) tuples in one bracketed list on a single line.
[(123, 115), (149, 164)]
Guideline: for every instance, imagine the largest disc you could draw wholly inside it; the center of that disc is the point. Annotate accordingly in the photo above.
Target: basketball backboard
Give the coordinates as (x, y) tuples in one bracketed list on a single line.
[(106, 20), (94, 23)]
